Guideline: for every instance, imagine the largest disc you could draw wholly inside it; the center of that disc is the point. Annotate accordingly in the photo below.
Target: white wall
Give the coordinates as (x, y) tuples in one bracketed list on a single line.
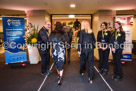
[(106, 16), (36, 17), (47, 17), (130, 12), (9, 12)]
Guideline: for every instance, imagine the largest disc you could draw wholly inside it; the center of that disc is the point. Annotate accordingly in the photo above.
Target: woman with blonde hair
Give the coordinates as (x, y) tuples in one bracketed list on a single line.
[(87, 41)]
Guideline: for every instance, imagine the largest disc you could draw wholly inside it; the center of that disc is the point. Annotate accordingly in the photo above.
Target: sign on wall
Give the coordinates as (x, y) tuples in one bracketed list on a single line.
[(127, 24)]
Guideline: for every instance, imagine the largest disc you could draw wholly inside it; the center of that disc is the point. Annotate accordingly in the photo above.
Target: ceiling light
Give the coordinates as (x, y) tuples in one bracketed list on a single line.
[(71, 16), (72, 5)]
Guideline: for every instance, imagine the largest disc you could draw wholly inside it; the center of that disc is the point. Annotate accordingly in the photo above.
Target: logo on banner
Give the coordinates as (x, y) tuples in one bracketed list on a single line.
[(14, 22), (9, 22)]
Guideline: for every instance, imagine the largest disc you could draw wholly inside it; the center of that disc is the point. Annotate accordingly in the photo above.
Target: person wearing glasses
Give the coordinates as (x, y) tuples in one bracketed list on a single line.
[(117, 40), (103, 38)]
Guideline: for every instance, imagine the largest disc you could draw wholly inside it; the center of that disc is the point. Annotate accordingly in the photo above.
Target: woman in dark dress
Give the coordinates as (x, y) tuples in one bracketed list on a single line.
[(117, 40), (58, 38), (87, 41), (103, 38)]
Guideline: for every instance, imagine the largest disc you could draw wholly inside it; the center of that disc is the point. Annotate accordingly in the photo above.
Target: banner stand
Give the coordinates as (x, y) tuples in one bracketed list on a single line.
[(13, 31)]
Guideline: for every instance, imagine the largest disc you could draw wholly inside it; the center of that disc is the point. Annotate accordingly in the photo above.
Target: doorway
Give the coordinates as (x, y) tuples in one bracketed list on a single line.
[(69, 20)]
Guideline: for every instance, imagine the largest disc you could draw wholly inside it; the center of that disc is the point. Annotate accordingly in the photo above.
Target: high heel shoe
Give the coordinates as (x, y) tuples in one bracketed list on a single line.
[(82, 73), (101, 71), (104, 72), (60, 80), (90, 81), (58, 77)]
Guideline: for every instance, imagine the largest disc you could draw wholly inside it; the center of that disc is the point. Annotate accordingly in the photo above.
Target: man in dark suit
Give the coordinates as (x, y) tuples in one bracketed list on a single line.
[(44, 48)]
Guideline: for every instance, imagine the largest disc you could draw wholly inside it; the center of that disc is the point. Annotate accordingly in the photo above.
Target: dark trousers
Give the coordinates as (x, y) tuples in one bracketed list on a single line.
[(87, 55), (45, 60), (103, 59), (68, 54), (117, 62)]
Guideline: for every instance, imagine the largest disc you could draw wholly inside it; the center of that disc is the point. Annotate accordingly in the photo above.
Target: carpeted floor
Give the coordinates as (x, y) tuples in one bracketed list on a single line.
[(29, 78)]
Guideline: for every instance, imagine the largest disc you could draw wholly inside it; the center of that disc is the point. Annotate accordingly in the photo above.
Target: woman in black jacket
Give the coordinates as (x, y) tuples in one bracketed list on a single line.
[(58, 38), (87, 41), (117, 40), (103, 38)]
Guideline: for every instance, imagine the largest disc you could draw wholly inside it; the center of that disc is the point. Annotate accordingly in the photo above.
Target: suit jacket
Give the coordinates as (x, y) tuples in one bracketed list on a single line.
[(43, 37), (87, 38), (120, 39), (107, 36), (69, 32)]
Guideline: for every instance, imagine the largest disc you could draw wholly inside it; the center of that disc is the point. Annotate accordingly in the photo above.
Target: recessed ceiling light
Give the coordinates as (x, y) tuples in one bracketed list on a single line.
[(72, 5)]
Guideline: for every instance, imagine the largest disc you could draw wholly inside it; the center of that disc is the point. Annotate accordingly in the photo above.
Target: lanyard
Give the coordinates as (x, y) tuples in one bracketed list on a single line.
[(103, 34), (116, 36)]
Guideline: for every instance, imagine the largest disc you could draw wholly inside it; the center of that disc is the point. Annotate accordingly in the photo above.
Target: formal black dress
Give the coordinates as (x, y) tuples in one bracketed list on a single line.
[(58, 39)]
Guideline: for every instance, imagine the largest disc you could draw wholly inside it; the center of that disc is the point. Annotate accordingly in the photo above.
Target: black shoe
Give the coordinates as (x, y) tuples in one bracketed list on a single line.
[(43, 74), (101, 71), (104, 72), (49, 72), (82, 73), (68, 62), (118, 78), (113, 77), (60, 80)]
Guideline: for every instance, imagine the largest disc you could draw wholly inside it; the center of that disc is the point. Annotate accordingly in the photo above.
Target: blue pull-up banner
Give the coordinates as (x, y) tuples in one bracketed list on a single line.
[(14, 30)]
